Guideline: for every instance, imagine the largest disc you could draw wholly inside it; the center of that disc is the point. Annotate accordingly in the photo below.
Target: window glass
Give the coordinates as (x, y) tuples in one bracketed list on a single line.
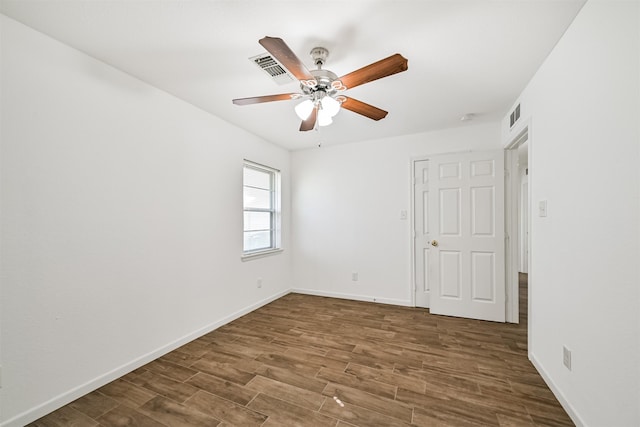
[(261, 200), (257, 221), (257, 178), (257, 198), (256, 240)]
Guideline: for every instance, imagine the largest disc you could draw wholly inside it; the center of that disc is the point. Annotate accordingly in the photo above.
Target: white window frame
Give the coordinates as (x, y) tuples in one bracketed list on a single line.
[(275, 227)]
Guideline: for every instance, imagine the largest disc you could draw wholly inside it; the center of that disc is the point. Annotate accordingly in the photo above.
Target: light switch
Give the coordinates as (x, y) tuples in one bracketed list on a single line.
[(403, 215), (542, 208)]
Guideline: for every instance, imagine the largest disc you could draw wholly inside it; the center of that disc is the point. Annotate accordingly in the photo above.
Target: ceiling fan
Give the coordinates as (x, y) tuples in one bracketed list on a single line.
[(322, 89)]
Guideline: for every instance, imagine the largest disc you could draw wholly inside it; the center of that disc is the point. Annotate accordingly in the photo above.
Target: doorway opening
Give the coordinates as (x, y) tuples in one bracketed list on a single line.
[(517, 219)]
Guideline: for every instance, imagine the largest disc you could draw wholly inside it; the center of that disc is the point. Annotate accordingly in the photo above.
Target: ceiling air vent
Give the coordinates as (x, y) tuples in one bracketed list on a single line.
[(269, 65), (515, 115)]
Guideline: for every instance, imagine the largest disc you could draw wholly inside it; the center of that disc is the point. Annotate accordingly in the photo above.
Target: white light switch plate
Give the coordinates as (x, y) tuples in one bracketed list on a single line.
[(566, 357), (542, 208)]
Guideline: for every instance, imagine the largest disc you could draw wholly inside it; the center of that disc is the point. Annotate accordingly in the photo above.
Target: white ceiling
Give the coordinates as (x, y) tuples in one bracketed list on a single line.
[(464, 57)]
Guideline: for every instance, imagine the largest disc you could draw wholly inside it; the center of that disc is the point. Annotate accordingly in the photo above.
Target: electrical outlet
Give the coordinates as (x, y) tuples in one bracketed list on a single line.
[(566, 357), (259, 282), (354, 276)]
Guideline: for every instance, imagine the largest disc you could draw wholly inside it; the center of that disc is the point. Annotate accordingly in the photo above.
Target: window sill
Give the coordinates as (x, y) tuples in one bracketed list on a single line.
[(261, 254)]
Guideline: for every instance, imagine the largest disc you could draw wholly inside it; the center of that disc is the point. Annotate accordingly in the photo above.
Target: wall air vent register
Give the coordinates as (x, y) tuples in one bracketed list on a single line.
[(515, 115), (269, 65)]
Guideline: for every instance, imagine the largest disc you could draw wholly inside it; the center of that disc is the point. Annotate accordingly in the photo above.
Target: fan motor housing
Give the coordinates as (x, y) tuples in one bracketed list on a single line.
[(325, 79)]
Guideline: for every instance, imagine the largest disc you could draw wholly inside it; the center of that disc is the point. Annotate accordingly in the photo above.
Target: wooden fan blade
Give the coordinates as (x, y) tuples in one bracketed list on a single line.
[(383, 68), (266, 98), (364, 109), (310, 123), (279, 49)]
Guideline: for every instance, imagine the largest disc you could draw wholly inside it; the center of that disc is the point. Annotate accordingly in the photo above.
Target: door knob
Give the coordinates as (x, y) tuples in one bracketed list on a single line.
[(434, 243)]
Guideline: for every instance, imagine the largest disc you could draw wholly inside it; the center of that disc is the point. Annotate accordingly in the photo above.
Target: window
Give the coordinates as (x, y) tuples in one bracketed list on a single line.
[(261, 194)]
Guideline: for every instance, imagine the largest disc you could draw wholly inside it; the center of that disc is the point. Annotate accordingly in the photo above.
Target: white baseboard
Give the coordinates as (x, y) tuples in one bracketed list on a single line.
[(51, 405), (404, 303), (579, 422)]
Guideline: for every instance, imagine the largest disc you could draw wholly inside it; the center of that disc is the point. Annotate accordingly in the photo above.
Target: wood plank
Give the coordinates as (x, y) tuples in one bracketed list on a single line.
[(123, 416), (292, 378), (358, 416), (361, 359), (289, 393), (225, 371), (64, 417), (370, 386), (283, 413), (225, 410), (171, 413), (126, 393), (222, 388), (320, 360), (171, 370), (165, 386), (387, 377), (180, 358), (381, 405), (94, 404)]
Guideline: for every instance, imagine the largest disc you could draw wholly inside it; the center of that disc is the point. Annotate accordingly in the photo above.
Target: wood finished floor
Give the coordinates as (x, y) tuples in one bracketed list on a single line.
[(314, 361)]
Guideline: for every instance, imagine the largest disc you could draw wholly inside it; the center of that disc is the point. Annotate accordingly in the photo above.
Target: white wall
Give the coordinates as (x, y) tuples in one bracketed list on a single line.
[(121, 223), (346, 205), (584, 109)]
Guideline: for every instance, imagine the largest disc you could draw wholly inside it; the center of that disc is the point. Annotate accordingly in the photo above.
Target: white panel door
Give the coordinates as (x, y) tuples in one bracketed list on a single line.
[(422, 239), (466, 214)]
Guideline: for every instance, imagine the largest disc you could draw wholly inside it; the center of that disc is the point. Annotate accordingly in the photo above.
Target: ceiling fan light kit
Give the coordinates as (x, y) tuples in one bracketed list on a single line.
[(303, 110), (325, 104), (330, 105), (322, 88)]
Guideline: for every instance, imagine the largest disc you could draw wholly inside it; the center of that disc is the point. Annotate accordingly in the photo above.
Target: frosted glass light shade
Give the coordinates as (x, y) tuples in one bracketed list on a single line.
[(324, 119), (330, 106), (304, 109)]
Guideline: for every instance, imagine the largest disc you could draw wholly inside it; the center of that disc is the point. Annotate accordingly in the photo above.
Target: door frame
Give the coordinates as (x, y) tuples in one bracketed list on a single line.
[(512, 209), (512, 221), (524, 221)]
